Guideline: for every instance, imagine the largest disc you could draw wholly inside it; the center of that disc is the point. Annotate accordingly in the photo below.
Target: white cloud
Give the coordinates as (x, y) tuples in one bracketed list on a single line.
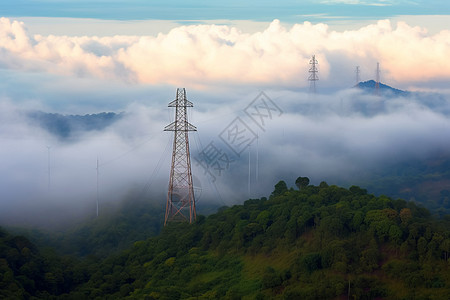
[(340, 138), (203, 55), (329, 138)]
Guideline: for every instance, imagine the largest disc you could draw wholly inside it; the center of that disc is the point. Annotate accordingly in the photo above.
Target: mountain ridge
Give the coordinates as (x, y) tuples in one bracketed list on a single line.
[(370, 86), (66, 126)]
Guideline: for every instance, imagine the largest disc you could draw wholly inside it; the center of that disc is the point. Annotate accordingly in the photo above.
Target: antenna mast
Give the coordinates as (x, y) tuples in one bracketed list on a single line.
[(313, 77), (180, 197)]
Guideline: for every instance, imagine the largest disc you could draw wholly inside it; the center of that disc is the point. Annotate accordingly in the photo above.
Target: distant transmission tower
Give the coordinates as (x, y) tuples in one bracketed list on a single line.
[(180, 198), (313, 74), (97, 169), (377, 82), (358, 75), (48, 169)]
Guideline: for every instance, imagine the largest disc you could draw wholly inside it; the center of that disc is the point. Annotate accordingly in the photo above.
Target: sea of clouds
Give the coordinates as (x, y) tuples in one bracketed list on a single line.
[(339, 136)]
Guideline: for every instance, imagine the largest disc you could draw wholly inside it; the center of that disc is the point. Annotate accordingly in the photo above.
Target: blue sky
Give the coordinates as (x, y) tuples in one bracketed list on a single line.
[(285, 10)]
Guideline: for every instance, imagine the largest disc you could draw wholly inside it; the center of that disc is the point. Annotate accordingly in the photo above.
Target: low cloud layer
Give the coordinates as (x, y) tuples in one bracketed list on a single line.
[(340, 138), (199, 56)]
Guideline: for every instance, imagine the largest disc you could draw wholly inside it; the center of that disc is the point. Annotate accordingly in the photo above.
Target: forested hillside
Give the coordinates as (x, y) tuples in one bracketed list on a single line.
[(311, 242), (27, 272), (426, 182), (115, 229)]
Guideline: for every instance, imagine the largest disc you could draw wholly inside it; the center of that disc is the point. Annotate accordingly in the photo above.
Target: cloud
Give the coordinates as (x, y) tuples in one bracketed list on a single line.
[(52, 181), (200, 56), (342, 138)]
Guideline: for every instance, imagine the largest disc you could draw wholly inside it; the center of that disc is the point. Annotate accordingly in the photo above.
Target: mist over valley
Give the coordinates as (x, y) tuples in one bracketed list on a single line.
[(318, 144)]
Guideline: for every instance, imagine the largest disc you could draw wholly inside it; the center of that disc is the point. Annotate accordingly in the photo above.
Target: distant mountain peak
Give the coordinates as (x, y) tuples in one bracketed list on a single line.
[(65, 126), (370, 86)]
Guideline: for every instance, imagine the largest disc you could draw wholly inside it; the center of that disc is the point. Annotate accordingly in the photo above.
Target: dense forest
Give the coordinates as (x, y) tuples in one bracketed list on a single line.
[(115, 229), (423, 181), (308, 242)]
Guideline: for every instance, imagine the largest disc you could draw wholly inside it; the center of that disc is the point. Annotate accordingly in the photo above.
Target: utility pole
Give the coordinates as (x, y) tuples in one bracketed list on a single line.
[(358, 72), (249, 170), (97, 184), (257, 163), (313, 77), (180, 197), (48, 169)]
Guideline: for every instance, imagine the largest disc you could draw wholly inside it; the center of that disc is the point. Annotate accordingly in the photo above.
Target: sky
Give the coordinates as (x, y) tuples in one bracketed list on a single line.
[(262, 10), (83, 57)]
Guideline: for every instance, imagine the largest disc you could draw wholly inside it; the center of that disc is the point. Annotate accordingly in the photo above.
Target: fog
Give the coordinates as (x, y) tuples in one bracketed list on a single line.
[(340, 138), (340, 135)]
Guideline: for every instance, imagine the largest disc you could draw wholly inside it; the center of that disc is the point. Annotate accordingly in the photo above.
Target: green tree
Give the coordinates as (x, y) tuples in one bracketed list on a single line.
[(280, 188), (445, 248), (405, 216), (271, 278), (422, 246), (302, 182)]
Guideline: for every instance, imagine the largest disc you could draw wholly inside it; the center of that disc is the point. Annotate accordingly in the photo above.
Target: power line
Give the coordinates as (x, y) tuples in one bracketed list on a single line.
[(129, 151), (97, 184), (156, 169), (48, 169), (212, 183)]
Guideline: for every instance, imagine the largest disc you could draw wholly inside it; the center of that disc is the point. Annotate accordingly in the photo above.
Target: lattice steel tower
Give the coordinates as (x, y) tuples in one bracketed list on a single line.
[(313, 77), (180, 198)]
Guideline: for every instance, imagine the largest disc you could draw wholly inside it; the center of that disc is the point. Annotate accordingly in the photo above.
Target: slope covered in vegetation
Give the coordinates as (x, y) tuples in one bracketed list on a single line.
[(315, 242), (423, 181), (114, 230), (319, 242), (28, 272)]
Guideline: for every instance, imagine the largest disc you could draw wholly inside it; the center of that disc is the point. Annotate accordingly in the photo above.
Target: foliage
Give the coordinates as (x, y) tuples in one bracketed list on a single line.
[(27, 271), (425, 181), (319, 242), (302, 182), (112, 231)]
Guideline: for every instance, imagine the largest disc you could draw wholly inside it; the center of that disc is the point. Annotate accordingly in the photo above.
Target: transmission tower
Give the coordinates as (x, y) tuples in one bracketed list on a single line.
[(180, 198), (377, 82), (313, 74), (48, 169), (97, 169), (358, 75)]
